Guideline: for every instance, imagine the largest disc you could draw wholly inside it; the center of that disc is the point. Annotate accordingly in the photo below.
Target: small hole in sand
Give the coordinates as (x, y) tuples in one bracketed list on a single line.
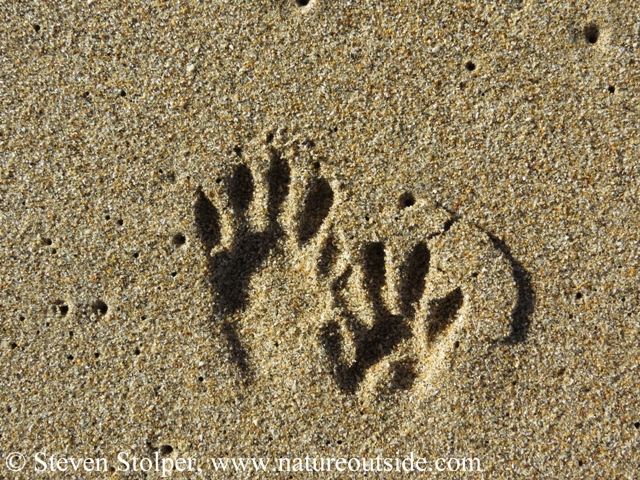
[(316, 165), (237, 151), (54, 251), (407, 200), (64, 309), (173, 274), (71, 334), (107, 217), (69, 357), (123, 93), (201, 379), (591, 33), (97, 354), (456, 344), (36, 28), (178, 239), (269, 137), (21, 318), (637, 424), (13, 345), (136, 255), (470, 66), (611, 89), (99, 308), (166, 449), (119, 222), (302, 3), (578, 295), (136, 351), (47, 241)]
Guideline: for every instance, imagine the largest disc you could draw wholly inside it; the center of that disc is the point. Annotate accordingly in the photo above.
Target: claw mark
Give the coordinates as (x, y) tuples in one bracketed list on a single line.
[(316, 208), (240, 189), (278, 180), (413, 277), (442, 313), (374, 272), (207, 221)]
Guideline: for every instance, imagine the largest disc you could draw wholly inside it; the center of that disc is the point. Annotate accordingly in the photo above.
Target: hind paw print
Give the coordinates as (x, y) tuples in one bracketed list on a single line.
[(273, 204), (400, 300)]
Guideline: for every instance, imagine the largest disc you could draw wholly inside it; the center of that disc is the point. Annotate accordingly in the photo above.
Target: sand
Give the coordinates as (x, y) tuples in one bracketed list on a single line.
[(333, 230)]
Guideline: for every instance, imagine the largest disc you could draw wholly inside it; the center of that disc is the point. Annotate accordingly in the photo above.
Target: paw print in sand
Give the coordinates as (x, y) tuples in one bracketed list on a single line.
[(255, 212), (405, 290), (389, 296)]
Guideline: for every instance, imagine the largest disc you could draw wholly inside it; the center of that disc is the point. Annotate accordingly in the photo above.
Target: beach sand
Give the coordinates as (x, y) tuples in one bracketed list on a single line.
[(330, 230)]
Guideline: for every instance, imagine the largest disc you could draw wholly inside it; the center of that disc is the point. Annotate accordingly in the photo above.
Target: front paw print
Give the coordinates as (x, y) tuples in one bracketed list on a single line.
[(252, 214)]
